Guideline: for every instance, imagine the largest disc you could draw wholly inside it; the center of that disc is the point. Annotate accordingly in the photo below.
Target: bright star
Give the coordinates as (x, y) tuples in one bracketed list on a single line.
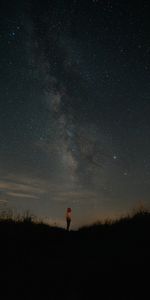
[(12, 34), (114, 157)]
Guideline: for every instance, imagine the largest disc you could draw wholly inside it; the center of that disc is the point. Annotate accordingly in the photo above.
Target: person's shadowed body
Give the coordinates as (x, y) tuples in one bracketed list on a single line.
[(68, 218)]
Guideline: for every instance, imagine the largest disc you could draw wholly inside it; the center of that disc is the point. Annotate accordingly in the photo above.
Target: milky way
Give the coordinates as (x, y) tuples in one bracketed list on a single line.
[(74, 121)]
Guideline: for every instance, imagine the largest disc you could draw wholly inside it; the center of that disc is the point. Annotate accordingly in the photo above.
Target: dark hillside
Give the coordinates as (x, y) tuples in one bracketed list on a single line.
[(109, 261)]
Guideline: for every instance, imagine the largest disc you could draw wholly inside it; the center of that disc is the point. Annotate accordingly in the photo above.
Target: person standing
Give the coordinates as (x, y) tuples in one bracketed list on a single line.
[(68, 217)]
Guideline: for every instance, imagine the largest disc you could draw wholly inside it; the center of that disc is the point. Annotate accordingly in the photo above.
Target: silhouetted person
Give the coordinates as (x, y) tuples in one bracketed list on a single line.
[(68, 218)]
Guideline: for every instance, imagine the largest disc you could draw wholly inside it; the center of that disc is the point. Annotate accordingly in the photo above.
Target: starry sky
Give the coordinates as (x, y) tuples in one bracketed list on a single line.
[(74, 108)]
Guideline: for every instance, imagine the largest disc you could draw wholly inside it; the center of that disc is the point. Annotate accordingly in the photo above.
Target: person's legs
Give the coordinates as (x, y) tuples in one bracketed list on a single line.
[(68, 223)]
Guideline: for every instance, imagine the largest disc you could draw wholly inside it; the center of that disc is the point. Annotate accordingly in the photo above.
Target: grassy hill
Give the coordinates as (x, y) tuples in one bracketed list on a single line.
[(102, 261)]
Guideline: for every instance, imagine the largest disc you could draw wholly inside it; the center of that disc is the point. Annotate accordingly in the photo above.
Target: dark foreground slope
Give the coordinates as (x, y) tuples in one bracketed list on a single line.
[(99, 262)]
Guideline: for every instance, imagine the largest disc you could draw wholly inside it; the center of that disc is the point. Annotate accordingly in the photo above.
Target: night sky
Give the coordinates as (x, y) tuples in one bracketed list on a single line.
[(74, 107)]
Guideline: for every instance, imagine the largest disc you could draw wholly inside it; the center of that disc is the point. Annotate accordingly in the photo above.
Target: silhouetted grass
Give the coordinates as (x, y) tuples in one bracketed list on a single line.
[(107, 260)]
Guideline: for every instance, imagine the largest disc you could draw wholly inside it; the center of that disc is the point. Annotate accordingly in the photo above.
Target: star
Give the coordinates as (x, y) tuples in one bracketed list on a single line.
[(114, 156), (12, 34)]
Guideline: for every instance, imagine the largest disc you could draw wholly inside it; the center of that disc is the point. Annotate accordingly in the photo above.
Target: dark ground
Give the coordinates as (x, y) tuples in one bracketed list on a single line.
[(99, 262)]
